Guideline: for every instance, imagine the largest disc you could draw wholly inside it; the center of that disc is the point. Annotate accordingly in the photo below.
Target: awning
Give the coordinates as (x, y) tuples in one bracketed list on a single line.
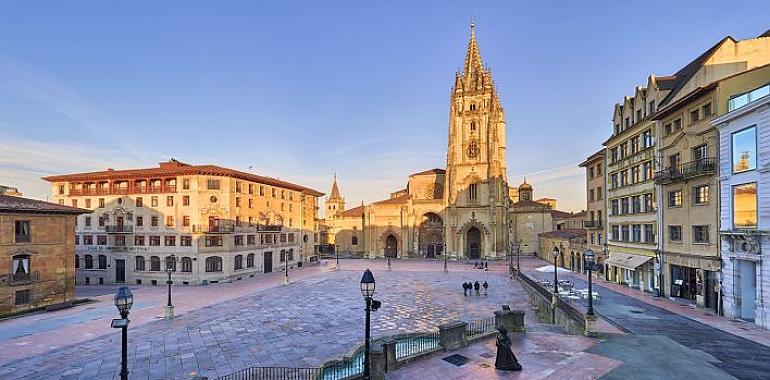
[(627, 261)]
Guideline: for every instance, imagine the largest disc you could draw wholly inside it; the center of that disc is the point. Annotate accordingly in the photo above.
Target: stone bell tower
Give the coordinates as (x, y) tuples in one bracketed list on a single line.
[(476, 178)]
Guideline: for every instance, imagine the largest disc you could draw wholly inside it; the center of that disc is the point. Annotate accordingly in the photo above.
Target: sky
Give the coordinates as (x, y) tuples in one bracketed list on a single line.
[(303, 90)]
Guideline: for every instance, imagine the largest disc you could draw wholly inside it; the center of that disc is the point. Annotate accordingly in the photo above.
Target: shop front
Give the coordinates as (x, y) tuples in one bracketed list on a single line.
[(633, 270), (694, 278)]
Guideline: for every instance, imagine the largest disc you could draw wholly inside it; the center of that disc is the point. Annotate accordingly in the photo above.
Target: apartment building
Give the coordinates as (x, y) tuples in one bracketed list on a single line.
[(595, 187), (204, 222)]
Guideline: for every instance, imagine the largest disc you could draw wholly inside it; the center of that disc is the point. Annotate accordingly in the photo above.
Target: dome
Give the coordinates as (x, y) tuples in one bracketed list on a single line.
[(525, 185)]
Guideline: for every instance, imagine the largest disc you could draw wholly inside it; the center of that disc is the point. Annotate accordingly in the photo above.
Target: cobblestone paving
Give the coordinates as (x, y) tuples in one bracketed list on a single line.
[(302, 324)]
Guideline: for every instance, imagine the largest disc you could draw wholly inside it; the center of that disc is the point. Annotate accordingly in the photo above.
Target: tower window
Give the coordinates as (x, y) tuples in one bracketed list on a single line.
[(472, 192), (473, 126), (473, 106)]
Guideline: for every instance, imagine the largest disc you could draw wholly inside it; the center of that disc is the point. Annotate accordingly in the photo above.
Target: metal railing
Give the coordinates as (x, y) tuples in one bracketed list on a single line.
[(480, 327), (687, 170), (418, 344), (221, 228), (592, 224), (275, 373), (348, 368)]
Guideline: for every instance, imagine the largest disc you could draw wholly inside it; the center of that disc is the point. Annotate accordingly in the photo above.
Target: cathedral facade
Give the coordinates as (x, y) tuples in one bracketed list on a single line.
[(457, 212)]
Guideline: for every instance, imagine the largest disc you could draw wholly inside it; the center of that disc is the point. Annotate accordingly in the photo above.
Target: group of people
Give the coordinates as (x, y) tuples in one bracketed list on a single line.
[(481, 265), (469, 287)]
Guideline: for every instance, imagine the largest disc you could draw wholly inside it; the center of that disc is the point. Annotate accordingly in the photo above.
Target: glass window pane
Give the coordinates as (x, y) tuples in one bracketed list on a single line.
[(745, 205), (745, 150)]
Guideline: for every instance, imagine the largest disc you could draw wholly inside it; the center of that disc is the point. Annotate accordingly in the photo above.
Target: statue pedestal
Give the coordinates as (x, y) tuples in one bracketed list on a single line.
[(169, 314), (590, 330)]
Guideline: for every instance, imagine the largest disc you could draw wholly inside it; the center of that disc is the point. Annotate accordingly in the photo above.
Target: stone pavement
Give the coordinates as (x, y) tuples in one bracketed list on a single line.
[(226, 327)]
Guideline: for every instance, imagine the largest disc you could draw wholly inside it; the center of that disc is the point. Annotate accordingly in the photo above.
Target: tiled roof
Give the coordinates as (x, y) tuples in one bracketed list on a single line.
[(32, 206), (565, 234), (176, 168), (556, 214), (528, 203), (396, 200), (431, 171), (686, 73), (354, 212)]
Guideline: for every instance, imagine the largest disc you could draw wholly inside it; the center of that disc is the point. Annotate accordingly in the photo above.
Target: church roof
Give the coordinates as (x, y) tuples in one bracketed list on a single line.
[(431, 171), (473, 60), (354, 212), (335, 190), (529, 203), (396, 200)]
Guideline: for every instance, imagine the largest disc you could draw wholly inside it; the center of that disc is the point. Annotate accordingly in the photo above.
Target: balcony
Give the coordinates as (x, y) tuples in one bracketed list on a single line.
[(592, 224), (119, 229), (24, 278), (686, 171), (221, 228), (269, 228)]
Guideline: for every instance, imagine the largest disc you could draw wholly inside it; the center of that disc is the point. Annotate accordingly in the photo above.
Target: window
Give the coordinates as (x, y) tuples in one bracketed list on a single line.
[(261, 190), (617, 128), (212, 184), (636, 235), (647, 171), (745, 205), (614, 207), (101, 239), (283, 238), (154, 221), (706, 109), (741, 100), (213, 241), (283, 255), (154, 201), (139, 265), (238, 187), (634, 145), (636, 204), (250, 260), (169, 200), (169, 241), (678, 125), (251, 203), (61, 189), (273, 192), (102, 260), (139, 240), (101, 221), (171, 263), (473, 125), (101, 202), (139, 221), (668, 128), (615, 232), (88, 202), (624, 205), (472, 192), (614, 180), (635, 174), (614, 154), (701, 194), (155, 241), (77, 261), (185, 241), (88, 221), (238, 262), (238, 239), (154, 263), (700, 234), (185, 184), (186, 264), (88, 240), (675, 198), (185, 200), (651, 107), (745, 150), (120, 240), (139, 202), (74, 203), (23, 297), (169, 221), (250, 239), (624, 233), (700, 152), (694, 115), (214, 264), (21, 270), (591, 195), (354, 240), (623, 150), (598, 169), (89, 261), (638, 115), (649, 233), (647, 199), (675, 233), (22, 232), (237, 201), (599, 194)]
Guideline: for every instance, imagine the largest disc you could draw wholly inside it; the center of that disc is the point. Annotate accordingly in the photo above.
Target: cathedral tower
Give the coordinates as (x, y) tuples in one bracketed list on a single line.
[(335, 203), (476, 179)]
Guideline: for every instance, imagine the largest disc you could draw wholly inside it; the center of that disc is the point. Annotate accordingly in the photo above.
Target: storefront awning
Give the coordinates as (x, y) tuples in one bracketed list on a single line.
[(627, 261)]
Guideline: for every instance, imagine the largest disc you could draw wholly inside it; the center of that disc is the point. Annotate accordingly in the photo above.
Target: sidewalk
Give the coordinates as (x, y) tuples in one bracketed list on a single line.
[(739, 328)]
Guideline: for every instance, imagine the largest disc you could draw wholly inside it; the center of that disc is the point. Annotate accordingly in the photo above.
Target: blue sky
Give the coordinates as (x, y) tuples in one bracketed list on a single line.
[(301, 90)]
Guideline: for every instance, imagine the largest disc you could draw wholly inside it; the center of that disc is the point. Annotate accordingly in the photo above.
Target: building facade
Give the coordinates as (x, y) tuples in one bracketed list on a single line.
[(460, 212), (595, 217), (37, 250), (744, 172), (206, 223)]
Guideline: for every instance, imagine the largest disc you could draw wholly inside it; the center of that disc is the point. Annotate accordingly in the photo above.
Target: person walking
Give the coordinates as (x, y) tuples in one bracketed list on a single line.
[(485, 286), (465, 289), (476, 287), (486, 265)]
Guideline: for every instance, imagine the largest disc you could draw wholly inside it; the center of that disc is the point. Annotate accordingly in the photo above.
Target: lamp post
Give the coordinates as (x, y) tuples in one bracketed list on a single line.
[(337, 256), (367, 290), (589, 256), (555, 253), (170, 267), (286, 267), (123, 300), (446, 269)]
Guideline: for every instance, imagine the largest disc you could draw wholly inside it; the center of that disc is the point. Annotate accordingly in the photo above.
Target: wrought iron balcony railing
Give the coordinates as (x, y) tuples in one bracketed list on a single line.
[(687, 170)]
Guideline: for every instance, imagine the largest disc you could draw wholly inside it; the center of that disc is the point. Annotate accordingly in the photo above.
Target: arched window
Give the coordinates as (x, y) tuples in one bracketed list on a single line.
[(473, 149), (250, 260), (77, 261), (214, 264), (139, 263), (238, 262), (473, 125), (472, 192), (171, 263), (186, 264), (354, 240), (102, 262), (473, 106), (89, 262), (155, 263)]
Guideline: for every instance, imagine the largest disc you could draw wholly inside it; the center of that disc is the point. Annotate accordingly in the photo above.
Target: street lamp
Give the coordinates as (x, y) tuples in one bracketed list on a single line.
[(337, 255), (555, 253), (286, 267), (123, 300), (589, 257), (170, 267), (367, 290)]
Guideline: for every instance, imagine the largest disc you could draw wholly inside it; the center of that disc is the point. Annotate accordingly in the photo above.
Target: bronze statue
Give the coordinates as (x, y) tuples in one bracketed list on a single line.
[(505, 360)]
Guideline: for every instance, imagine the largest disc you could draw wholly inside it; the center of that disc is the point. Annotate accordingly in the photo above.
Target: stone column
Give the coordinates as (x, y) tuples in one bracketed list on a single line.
[(452, 335), (377, 362), (389, 346)]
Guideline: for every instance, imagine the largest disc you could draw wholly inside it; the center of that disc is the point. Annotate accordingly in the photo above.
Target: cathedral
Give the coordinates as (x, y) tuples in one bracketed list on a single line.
[(457, 212)]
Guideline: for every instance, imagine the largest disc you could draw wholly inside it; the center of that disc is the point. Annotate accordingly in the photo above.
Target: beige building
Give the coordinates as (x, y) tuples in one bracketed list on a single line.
[(37, 247), (570, 245), (595, 213), (12, 191), (205, 222), (461, 211), (529, 219)]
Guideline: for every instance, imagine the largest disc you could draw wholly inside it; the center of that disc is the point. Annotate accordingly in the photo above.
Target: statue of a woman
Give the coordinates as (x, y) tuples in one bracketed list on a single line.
[(505, 360)]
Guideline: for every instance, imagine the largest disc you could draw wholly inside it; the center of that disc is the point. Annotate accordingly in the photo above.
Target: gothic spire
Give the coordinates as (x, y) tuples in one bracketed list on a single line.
[(335, 189), (473, 60)]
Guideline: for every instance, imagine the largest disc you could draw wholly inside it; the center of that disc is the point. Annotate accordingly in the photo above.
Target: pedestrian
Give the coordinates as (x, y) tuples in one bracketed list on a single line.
[(486, 265), (485, 285), (465, 289), (476, 287), (476, 265)]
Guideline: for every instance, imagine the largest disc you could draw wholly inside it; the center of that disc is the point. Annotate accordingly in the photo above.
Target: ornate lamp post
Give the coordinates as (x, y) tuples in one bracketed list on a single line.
[(367, 290), (286, 267), (555, 254), (170, 267), (589, 256), (337, 256), (123, 300)]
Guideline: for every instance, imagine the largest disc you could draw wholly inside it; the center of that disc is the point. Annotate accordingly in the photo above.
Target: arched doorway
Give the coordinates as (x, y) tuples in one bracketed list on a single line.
[(391, 246), (473, 243), (431, 238)]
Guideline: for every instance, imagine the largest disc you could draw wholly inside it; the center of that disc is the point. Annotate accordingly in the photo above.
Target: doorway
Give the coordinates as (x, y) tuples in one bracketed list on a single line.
[(747, 289), (391, 246), (120, 270), (268, 261), (473, 237)]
